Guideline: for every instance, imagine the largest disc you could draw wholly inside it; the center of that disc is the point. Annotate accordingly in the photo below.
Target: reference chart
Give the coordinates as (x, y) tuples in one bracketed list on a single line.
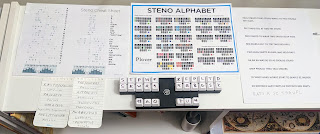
[(182, 38), (71, 40)]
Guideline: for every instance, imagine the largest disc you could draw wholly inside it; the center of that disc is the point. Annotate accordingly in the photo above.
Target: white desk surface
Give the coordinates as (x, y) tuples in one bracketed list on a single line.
[(146, 122), (22, 93)]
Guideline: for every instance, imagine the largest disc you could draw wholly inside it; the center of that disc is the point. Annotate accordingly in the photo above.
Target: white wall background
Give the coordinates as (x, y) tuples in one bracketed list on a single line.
[(235, 3)]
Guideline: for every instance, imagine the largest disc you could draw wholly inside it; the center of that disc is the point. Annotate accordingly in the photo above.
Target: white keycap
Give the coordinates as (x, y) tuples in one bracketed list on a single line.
[(195, 101), (139, 80), (147, 79), (147, 103), (155, 79), (210, 86), (131, 80), (186, 87), (155, 87), (202, 86), (139, 87), (218, 86), (178, 87), (187, 102), (217, 79), (194, 79), (155, 103), (209, 79), (131, 87), (123, 80), (123, 88), (178, 79), (179, 102), (194, 86), (186, 79), (139, 102), (147, 87), (202, 79)]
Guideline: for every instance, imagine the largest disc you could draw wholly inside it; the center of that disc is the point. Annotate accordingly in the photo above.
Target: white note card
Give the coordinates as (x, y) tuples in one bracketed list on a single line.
[(278, 58), (74, 40), (182, 38), (87, 103), (54, 103)]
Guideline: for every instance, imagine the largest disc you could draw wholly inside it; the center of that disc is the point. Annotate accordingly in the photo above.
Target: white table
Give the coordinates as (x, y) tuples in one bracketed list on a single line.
[(21, 93)]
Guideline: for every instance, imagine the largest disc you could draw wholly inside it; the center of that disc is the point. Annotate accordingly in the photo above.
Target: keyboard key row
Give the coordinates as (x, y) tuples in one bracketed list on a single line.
[(124, 80), (196, 79), (178, 79), (147, 102), (198, 86), (187, 101), (139, 87)]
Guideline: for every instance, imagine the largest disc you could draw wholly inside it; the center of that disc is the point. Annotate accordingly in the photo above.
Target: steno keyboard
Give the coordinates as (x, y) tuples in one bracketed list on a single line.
[(178, 92)]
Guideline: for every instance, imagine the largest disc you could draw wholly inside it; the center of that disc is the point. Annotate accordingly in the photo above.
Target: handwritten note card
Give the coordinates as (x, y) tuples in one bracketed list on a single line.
[(87, 103), (54, 103)]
